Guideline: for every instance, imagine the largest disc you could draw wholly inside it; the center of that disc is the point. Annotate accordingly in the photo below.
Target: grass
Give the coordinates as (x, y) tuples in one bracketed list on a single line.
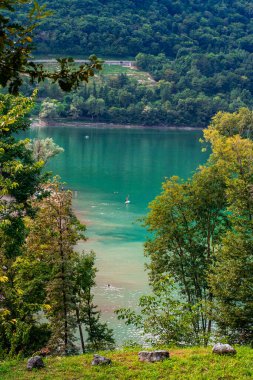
[(184, 364), (114, 70)]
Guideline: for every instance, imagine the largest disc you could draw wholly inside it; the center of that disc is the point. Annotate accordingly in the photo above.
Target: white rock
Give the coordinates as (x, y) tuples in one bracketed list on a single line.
[(223, 349), (153, 356)]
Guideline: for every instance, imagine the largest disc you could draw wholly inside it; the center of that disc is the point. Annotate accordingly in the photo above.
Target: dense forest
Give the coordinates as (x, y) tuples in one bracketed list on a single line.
[(122, 29), (200, 54)]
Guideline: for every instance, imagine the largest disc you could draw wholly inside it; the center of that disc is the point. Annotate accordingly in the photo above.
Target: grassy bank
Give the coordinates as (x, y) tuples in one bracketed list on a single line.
[(186, 364)]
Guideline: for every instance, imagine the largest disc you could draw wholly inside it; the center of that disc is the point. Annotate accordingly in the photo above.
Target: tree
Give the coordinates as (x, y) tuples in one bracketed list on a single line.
[(20, 175), (77, 106), (95, 107), (20, 184), (49, 109), (186, 222), (20, 178), (99, 335), (60, 280), (43, 150), (201, 233), (231, 278), (53, 235), (16, 45), (163, 318), (229, 124)]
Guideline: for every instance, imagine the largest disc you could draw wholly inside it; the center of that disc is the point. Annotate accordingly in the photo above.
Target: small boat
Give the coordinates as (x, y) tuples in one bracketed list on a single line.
[(127, 201)]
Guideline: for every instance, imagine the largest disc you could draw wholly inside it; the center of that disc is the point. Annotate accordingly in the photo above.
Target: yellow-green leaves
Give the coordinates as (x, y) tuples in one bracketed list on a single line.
[(17, 109), (229, 124), (4, 279)]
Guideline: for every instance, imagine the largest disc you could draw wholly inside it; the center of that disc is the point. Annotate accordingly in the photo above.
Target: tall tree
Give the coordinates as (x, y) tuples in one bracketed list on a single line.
[(99, 335), (54, 234), (63, 284), (231, 279), (20, 178), (186, 222), (202, 232)]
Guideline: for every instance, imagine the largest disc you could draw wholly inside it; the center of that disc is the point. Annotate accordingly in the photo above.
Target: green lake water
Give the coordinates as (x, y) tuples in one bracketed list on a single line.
[(102, 166)]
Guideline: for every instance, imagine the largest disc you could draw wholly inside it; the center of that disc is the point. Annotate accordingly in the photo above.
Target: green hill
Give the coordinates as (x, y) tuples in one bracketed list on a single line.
[(126, 28), (199, 53)]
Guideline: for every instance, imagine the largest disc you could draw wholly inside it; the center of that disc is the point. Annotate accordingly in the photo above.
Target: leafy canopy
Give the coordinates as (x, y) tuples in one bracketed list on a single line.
[(16, 45)]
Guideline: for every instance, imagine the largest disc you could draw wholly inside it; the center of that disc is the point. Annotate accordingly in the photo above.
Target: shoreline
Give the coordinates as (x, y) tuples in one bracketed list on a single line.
[(38, 123)]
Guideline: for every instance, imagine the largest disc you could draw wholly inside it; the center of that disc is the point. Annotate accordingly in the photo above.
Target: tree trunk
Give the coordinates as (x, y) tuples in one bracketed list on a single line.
[(80, 329)]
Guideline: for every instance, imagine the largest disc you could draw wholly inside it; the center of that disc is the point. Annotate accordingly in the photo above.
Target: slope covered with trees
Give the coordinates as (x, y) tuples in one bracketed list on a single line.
[(173, 27), (200, 54)]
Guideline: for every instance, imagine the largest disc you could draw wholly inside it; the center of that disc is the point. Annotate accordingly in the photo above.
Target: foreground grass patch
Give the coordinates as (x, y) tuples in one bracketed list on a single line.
[(184, 364)]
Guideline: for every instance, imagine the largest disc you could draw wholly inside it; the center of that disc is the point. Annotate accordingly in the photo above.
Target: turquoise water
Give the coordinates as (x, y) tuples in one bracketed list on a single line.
[(102, 166)]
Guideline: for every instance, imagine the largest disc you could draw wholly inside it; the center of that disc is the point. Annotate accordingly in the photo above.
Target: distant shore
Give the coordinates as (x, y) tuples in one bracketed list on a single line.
[(84, 124)]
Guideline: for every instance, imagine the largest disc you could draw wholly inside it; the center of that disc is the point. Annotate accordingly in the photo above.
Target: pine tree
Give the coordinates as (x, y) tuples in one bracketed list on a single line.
[(54, 234), (99, 335)]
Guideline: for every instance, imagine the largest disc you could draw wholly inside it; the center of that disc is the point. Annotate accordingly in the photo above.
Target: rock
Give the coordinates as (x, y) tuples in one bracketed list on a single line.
[(153, 356), (35, 362), (100, 360), (223, 349)]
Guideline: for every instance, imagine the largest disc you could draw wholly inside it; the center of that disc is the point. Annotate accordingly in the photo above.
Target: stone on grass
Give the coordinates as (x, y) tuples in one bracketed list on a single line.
[(153, 356), (35, 362), (100, 360), (223, 349)]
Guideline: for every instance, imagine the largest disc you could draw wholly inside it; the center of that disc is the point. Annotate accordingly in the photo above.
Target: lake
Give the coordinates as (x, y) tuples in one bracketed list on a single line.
[(103, 166)]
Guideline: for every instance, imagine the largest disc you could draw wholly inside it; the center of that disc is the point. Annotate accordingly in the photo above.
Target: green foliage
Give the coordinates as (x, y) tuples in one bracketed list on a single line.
[(39, 267), (60, 280), (16, 45), (130, 98), (20, 178), (240, 122), (44, 149), (199, 54), (163, 319), (99, 335), (186, 222), (175, 28), (20, 175), (201, 237), (52, 237), (231, 278), (49, 109)]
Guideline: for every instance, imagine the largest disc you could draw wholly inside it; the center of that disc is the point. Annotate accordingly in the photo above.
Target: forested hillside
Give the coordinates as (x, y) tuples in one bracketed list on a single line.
[(200, 54), (125, 28)]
